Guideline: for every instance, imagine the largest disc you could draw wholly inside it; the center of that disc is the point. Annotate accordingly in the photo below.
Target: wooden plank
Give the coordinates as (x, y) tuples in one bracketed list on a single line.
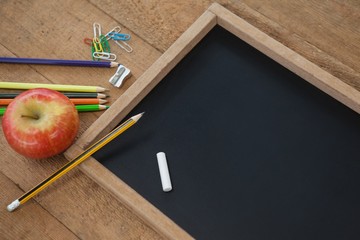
[(31, 223), (327, 24), (288, 58), (316, 32), (160, 24), (120, 108)]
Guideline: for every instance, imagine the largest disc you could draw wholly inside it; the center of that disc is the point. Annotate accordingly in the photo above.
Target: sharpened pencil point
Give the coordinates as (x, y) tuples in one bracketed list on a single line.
[(114, 64), (137, 117)]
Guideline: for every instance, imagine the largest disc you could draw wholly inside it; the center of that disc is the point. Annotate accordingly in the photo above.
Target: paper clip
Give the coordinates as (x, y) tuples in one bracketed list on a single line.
[(97, 30), (119, 36), (124, 46), (104, 56), (96, 41), (88, 41), (97, 45), (116, 29), (104, 44)]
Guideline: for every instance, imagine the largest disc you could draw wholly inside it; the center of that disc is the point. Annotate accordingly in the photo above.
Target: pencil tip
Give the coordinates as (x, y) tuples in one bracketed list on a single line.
[(102, 95), (137, 117), (114, 64)]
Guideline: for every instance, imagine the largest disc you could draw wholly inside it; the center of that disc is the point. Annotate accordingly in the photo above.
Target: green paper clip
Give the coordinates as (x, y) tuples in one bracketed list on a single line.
[(104, 43)]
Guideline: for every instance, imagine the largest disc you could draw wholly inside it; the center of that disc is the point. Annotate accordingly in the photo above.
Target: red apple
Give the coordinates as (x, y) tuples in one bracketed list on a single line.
[(40, 123)]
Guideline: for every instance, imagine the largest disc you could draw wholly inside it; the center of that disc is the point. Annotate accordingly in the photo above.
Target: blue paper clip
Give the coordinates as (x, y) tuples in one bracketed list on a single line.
[(119, 36)]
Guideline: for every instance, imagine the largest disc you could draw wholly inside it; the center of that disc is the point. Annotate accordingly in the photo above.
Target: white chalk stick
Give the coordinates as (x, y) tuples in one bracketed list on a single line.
[(164, 172)]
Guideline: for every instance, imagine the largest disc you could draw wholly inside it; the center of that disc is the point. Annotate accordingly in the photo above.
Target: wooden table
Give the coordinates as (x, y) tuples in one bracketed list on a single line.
[(325, 32)]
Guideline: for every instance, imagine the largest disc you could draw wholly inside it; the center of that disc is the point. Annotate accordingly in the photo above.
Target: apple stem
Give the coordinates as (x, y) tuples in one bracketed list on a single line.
[(36, 117)]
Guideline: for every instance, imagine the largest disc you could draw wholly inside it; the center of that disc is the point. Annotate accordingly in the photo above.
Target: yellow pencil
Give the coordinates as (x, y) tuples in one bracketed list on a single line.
[(76, 161), (58, 87)]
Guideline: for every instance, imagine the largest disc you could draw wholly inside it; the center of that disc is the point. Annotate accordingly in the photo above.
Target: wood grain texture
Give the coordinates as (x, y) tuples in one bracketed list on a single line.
[(160, 23), (324, 32), (33, 223), (79, 203)]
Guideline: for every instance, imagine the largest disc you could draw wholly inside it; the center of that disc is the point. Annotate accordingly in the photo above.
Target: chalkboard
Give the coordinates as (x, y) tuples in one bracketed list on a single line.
[(254, 151)]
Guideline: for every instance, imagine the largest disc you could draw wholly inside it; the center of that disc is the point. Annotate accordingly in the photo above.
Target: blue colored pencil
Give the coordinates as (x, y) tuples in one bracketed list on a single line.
[(60, 62)]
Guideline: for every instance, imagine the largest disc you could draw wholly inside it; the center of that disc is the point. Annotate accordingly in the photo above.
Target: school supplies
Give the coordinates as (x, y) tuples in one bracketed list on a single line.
[(91, 107), (58, 87), (121, 74), (119, 39), (80, 108), (119, 36), (76, 101), (100, 48), (59, 62), (68, 94), (76, 161), (164, 172)]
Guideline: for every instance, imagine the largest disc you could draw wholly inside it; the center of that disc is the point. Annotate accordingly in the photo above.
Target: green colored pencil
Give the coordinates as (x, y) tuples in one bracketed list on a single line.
[(80, 108), (91, 107)]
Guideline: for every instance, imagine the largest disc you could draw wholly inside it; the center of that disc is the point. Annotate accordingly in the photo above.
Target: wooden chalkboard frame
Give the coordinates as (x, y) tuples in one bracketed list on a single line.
[(214, 15)]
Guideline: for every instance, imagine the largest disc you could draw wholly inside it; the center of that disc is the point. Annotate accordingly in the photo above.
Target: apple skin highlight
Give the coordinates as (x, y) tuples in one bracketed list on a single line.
[(40, 123)]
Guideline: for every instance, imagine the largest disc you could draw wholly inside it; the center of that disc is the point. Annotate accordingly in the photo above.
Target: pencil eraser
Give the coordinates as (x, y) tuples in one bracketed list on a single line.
[(12, 206), (119, 77), (164, 172)]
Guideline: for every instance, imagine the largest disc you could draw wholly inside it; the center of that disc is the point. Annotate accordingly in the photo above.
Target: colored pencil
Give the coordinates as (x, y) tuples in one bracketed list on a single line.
[(58, 62), (91, 107), (58, 87), (76, 101), (83, 95), (73, 163), (87, 101), (80, 108), (68, 94)]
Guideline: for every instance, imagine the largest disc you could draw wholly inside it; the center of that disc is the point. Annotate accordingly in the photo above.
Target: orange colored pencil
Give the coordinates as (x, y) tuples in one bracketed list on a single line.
[(5, 101), (81, 101), (76, 101)]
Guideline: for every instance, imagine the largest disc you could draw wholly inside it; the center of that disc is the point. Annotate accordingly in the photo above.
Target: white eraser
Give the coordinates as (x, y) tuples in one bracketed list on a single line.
[(164, 172), (12, 206)]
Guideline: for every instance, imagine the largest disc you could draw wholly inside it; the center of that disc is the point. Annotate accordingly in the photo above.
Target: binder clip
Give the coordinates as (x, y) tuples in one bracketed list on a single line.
[(119, 77)]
